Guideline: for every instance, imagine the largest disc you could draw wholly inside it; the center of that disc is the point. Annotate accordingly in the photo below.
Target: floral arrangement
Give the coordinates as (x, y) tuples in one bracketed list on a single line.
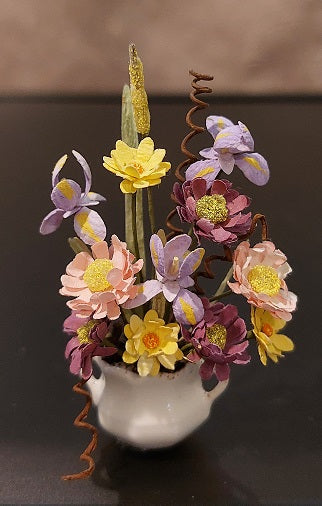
[(138, 303)]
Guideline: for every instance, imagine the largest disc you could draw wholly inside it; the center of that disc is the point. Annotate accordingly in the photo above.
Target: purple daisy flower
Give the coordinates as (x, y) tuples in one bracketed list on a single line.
[(233, 145), (219, 339), (86, 344), (216, 213), (69, 200)]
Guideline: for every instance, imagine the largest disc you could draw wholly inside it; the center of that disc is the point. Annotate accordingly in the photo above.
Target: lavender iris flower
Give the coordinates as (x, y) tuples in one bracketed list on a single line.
[(69, 200), (174, 265), (233, 145)]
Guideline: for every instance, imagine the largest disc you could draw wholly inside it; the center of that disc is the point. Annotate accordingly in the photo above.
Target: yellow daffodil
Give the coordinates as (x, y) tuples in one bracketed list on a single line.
[(150, 342), (270, 343), (139, 167)]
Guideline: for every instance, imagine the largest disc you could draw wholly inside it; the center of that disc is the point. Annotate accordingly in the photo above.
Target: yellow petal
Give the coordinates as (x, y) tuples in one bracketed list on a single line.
[(145, 365), (152, 315), (135, 323), (262, 354), (127, 187), (127, 331), (273, 357), (123, 153), (129, 359), (130, 348), (145, 150), (282, 342), (170, 348), (167, 361), (155, 368), (155, 159), (179, 354), (143, 183)]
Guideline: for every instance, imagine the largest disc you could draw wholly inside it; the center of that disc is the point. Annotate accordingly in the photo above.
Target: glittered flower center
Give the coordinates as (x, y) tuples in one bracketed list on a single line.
[(83, 332), (267, 329), (95, 275), (264, 279), (151, 341), (213, 208), (217, 334)]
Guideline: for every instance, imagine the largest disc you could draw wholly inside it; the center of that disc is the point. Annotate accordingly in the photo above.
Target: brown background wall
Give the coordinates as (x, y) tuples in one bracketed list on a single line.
[(80, 46)]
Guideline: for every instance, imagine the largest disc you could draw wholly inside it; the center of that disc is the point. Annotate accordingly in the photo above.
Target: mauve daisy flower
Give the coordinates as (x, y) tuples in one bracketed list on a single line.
[(86, 344), (259, 273), (216, 213), (219, 340)]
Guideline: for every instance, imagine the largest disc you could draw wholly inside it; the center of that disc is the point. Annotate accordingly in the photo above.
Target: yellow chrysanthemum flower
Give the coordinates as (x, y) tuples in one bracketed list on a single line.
[(150, 342), (270, 343), (139, 167)]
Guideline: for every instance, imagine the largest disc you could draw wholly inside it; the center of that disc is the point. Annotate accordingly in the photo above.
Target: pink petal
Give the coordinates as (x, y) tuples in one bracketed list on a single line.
[(100, 250)]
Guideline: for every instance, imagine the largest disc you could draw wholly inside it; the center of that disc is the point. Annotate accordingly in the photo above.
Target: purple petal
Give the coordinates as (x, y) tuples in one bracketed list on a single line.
[(208, 153), (238, 204), (254, 167), (222, 371), (72, 344), (191, 262), (188, 308), (147, 290), (215, 124), (178, 193), (59, 165), (207, 169), (199, 187), (52, 221), (235, 139), (206, 370), (89, 226), (157, 253), (226, 162), (170, 290), (87, 171), (176, 247), (66, 194), (220, 235), (87, 368)]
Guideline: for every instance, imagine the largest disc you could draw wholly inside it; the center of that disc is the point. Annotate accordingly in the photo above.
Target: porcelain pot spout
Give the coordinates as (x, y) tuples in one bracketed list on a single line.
[(151, 412)]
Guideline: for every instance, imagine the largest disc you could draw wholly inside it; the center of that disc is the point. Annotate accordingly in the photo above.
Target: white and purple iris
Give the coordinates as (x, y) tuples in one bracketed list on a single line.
[(174, 265), (233, 145), (69, 200)]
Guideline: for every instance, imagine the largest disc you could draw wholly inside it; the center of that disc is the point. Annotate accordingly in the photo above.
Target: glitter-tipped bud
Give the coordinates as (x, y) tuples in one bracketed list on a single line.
[(138, 93)]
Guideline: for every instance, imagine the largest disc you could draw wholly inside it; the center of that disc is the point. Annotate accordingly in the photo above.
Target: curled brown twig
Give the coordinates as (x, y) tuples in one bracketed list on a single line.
[(256, 218), (194, 130), (78, 422)]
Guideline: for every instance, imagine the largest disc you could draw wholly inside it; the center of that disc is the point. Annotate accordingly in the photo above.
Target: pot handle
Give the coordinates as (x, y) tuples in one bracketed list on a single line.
[(96, 387), (216, 391)]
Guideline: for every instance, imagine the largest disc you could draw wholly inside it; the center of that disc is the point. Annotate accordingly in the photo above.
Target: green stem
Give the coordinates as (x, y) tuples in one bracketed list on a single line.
[(186, 347), (151, 210), (135, 236), (224, 282), (140, 229), (221, 295)]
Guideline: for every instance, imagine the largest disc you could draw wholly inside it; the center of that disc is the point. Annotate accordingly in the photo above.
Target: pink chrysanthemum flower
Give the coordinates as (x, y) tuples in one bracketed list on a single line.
[(103, 282), (259, 273), (216, 213)]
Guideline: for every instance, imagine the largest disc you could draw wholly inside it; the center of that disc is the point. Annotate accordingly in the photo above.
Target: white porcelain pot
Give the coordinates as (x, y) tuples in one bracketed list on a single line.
[(151, 412)]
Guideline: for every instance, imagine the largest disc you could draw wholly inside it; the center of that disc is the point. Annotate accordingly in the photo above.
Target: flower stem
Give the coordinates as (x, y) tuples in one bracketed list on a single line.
[(224, 282), (186, 347), (135, 234), (151, 210), (140, 230), (221, 295)]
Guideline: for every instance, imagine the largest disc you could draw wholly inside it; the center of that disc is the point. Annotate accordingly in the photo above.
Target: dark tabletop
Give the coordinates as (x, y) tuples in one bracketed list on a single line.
[(262, 443)]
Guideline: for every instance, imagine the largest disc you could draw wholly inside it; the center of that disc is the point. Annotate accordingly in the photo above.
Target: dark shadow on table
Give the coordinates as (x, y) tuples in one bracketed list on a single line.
[(159, 477)]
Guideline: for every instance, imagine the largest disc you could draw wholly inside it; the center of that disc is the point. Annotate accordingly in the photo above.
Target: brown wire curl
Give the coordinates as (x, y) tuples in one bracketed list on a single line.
[(195, 129), (78, 422)]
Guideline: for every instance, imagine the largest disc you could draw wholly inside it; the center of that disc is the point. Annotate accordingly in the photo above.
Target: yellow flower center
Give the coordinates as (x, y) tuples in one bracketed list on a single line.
[(151, 341), (213, 208), (95, 275), (84, 332), (217, 334), (264, 279), (267, 329), (138, 167)]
